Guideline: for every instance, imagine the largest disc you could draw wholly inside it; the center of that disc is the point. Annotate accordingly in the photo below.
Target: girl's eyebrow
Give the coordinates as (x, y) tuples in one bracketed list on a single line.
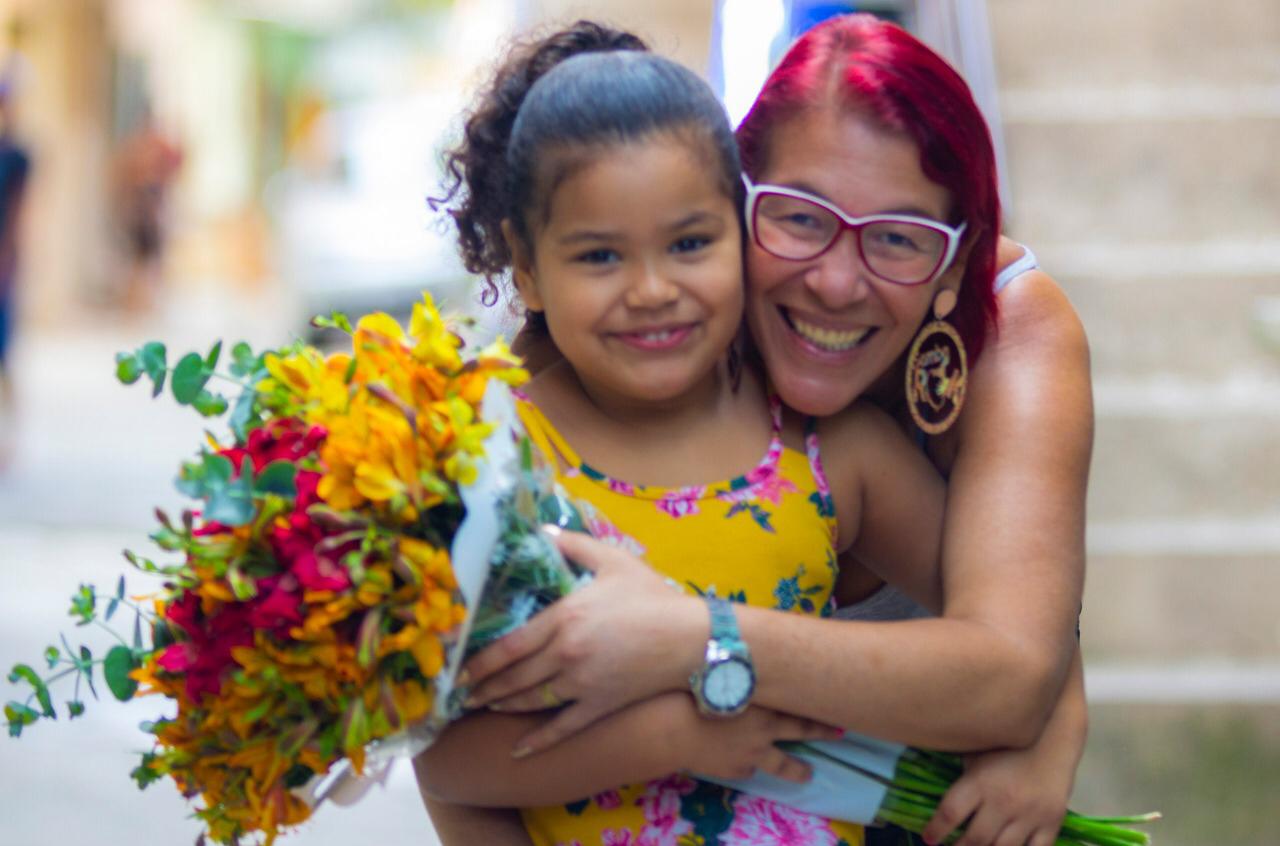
[(582, 235), (695, 218)]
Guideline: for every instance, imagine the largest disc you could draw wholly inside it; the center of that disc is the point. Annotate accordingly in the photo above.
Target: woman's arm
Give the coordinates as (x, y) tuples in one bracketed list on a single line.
[(1019, 795), (1012, 564)]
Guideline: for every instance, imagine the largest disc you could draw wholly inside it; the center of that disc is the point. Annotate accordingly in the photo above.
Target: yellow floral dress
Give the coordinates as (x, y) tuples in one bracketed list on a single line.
[(763, 538)]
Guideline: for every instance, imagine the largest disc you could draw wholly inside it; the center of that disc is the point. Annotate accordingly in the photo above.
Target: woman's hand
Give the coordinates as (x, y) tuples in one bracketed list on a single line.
[(627, 636), (1010, 797)]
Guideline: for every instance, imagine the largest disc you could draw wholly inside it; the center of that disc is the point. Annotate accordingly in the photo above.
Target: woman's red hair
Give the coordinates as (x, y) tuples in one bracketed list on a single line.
[(873, 67)]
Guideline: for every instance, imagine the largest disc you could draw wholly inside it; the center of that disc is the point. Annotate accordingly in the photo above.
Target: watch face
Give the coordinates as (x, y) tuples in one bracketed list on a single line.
[(728, 685)]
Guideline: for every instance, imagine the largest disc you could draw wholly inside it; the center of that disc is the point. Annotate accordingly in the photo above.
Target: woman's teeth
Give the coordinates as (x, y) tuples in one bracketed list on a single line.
[(828, 339), (656, 337)]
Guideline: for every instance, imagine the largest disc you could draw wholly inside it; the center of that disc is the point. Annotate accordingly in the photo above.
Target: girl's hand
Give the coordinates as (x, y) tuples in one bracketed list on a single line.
[(738, 747), (626, 637), (1010, 797)]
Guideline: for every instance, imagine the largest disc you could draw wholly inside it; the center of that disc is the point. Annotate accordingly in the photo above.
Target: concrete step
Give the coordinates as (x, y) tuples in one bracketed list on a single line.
[(1213, 771), (1163, 609), (1146, 180), (1151, 468), (1201, 327), (1045, 44)]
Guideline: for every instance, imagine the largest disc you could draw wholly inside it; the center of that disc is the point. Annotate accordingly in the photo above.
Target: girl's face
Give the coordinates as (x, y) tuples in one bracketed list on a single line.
[(827, 328), (638, 269)]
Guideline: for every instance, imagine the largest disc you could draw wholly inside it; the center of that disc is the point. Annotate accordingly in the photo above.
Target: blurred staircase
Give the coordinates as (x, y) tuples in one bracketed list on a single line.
[(1143, 144)]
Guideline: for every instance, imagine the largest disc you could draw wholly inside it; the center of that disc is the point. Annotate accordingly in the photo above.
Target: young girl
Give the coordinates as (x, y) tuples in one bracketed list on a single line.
[(606, 180)]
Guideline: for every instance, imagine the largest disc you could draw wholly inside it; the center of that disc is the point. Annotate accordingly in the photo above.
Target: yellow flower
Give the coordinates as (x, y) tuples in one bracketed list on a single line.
[(434, 344)]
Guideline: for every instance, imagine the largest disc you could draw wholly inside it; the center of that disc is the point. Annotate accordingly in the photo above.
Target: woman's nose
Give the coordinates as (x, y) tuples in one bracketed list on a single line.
[(839, 278)]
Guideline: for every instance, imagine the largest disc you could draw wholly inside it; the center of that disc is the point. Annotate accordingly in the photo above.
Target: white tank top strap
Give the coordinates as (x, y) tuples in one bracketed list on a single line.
[(1026, 262)]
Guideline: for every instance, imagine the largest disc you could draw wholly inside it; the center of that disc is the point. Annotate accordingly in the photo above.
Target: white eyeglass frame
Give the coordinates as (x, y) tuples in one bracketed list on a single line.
[(952, 234)]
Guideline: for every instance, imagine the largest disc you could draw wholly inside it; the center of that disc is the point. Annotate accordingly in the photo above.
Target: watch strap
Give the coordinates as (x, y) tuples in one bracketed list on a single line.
[(724, 626)]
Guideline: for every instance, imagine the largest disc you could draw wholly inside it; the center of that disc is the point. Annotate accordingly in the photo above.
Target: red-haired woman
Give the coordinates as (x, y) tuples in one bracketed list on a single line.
[(874, 244)]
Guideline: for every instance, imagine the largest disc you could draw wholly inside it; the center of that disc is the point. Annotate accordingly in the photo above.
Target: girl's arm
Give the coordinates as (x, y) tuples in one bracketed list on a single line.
[(459, 825), (473, 762)]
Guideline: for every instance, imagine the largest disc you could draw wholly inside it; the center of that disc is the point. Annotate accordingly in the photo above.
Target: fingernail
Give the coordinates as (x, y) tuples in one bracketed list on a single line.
[(551, 529), (521, 752), (470, 702), (495, 706), (464, 678)]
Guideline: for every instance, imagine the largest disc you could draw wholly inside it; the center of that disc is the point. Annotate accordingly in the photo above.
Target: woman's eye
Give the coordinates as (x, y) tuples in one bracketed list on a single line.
[(600, 256), (690, 243), (897, 240)]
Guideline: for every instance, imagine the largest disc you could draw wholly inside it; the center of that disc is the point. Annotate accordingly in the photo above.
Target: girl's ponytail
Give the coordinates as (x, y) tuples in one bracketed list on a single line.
[(477, 171)]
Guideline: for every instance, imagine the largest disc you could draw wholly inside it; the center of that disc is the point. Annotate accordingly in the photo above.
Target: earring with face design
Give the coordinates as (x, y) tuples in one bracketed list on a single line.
[(937, 370)]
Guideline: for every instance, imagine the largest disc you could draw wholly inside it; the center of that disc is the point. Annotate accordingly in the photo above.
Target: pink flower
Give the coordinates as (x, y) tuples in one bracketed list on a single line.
[(761, 822), (608, 800), (815, 461), (682, 502), (617, 837), (624, 488), (661, 805), (765, 483)]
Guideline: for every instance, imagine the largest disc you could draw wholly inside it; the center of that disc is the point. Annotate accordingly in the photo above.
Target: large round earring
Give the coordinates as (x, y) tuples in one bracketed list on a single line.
[(937, 370)]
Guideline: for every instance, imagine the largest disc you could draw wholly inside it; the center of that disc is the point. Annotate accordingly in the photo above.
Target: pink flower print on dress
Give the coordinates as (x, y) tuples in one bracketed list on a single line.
[(624, 488), (761, 822), (602, 529), (682, 502), (765, 482), (608, 800), (617, 837), (660, 803)]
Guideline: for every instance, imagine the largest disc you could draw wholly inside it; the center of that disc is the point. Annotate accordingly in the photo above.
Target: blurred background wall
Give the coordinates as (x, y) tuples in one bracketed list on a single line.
[(206, 168)]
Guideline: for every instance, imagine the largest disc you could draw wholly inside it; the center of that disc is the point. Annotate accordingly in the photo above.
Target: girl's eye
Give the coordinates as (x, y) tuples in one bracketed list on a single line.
[(599, 256), (690, 243)]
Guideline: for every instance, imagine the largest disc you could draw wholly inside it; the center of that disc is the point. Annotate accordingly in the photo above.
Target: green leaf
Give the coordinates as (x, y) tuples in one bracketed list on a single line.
[(19, 715), (83, 605), (244, 587), (25, 673), (111, 608), (211, 360), (52, 656), (152, 358), (128, 368), (243, 415), (277, 478), (74, 709), (189, 378), (85, 665), (209, 404), (137, 632), (243, 361), (161, 635), (335, 320), (230, 503), (120, 661)]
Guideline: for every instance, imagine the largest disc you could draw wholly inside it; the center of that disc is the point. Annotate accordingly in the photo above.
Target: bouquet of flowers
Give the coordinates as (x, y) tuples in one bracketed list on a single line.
[(330, 584)]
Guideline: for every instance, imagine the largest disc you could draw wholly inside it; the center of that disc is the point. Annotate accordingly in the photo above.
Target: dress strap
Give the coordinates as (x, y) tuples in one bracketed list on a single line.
[(1020, 266), (544, 436)]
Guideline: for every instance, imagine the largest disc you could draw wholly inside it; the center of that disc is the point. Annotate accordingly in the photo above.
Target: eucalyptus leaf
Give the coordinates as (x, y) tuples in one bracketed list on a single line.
[(52, 656), (152, 358), (25, 673), (128, 368), (74, 708), (243, 361), (277, 478), (211, 360), (189, 378), (120, 661), (243, 414), (209, 404)]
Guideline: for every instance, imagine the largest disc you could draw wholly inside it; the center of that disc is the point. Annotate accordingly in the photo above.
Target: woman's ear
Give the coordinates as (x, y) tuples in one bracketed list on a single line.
[(522, 267)]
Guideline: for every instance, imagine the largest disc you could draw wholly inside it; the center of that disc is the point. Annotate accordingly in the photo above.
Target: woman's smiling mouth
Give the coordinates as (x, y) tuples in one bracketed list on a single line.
[(823, 338), (656, 338)]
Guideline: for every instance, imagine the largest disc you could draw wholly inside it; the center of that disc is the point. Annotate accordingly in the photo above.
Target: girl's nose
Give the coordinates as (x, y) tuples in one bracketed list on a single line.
[(650, 288), (839, 278)]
